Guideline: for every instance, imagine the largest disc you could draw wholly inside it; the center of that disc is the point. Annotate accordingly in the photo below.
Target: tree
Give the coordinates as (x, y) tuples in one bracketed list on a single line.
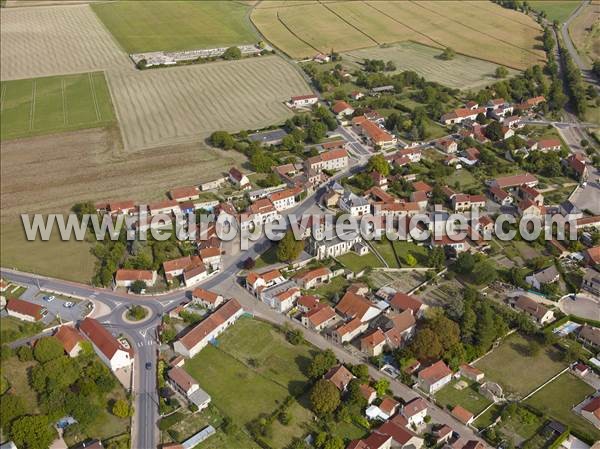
[(484, 273), (11, 407), (249, 263), (379, 164), (321, 363), (316, 132), (494, 131), (138, 286), (32, 432), (324, 397), (122, 409), (232, 53), (261, 161), (24, 353), (464, 263), (426, 346), (48, 348), (6, 352), (410, 260), (381, 387), (84, 208), (448, 54), (501, 72), (222, 139), (436, 258), (289, 248), (361, 371)]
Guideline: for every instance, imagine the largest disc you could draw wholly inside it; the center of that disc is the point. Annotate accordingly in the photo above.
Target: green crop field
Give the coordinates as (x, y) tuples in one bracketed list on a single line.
[(52, 104), (176, 25), (462, 72), (555, 9)]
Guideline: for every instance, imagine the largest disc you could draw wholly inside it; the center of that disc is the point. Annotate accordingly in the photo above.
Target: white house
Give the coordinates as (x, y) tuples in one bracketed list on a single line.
[(434, 377), (210, 328), (336, 159), (25, 310), (303, 101), (109, 349), (187, 386), (256, 282), (415, 411), (207, 298), (124, 278), (285, 199), (546, 276), (238, 179), (353, 204)]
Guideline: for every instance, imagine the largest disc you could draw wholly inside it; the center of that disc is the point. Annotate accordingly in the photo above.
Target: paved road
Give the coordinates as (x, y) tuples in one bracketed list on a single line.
[(584, 306), (564, 30)]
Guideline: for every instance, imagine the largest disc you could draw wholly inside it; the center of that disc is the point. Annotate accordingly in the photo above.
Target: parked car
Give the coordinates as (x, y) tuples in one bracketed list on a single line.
[(68, 304), (49, 298)]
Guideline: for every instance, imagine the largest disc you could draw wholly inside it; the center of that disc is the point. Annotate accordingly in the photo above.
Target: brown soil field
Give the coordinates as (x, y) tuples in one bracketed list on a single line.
[(55, 40), (51, 173), (182, 104)]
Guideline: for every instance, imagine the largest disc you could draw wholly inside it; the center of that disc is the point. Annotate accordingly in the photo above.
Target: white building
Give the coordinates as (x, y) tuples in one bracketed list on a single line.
[(109, 349), (353, 204)]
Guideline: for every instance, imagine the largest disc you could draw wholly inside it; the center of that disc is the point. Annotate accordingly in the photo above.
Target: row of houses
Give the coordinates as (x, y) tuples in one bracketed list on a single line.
[(498, 109)]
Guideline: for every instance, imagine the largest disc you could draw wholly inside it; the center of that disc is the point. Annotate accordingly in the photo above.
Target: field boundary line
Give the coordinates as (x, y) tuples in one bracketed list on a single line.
[(2, 95), (505, 16), (346, 22), (295, 35), (93, 90), (556, 376), (32, 106), (64, 101), (473, 28)]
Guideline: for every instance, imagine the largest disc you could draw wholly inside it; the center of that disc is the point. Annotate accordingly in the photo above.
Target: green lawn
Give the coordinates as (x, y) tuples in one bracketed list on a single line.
[(558, 398), (328, 290), (516, 370), (176, 25), (403, 248), (488, 417), (464, 178), (357, 263), (12, 329), (523, 423), (269, 257), (556, 9), (254, 364), (385, 250), (468, 397), (53, 104)]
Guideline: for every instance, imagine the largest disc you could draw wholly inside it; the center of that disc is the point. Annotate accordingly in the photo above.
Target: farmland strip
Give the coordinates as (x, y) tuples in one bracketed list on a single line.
[(2, 97), (344, 20), (295, 35), (93, 90), (64, 101), (32, 108), (473, 28)]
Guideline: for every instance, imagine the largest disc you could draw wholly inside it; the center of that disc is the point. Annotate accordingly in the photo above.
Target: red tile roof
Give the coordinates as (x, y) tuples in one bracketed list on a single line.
[(205, 295), (339, 376), (422, 186), (462, 414), (207, 253), (340, 106), (313, 274), (399, 434), (206, 327), (435, 372), (388, 406), (25, 308), (68, 336), (134, 275), (352, 305), (308, 301), (403, 302), (373, 339), (184, 192), (181, 378), (411, 408), (102, 339), (320, 314)]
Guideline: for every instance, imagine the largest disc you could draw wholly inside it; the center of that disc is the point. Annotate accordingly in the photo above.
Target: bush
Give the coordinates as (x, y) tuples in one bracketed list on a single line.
[(25, 354), (168, 421)]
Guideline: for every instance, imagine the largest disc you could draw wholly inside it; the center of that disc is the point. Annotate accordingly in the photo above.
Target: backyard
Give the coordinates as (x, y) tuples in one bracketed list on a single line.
[(357, 263), (467, 396), (518, 370)]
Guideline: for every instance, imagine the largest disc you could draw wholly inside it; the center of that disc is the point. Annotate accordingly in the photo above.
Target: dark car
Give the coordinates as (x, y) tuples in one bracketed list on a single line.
[(148, 365)]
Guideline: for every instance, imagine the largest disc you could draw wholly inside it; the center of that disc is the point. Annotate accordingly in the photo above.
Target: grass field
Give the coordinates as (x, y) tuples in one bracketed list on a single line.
[(462, 72), (555, 9), (52, 104), (558, 398), (176, 25), (517, 371), (67, 39), (585, 33), (357, 263), (254, 364), (468, 397), (303, 29), (184, 104)]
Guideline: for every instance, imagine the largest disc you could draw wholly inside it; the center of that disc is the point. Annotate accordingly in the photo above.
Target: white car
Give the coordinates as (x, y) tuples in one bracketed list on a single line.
[(49, 298), (68, 304)]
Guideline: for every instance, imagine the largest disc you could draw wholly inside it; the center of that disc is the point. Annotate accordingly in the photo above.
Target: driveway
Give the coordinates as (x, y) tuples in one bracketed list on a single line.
[(583, 306), (587, 197), (56, 308)]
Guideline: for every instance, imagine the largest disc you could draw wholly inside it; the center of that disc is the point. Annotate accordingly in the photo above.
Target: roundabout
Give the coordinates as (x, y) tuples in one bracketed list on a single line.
[(137, 314)]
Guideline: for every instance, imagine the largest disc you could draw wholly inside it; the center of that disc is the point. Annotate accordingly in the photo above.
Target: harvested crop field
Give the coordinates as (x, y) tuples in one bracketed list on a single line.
[(182, 104), (57, 103), (475, 28), (55, 40), (462, 72), (141, 26), (585, 33)]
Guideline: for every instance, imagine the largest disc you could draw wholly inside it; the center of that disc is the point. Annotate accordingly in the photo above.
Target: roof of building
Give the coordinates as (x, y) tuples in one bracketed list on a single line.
[(181, 263), (388, 405), (320, 314), (207, 253), (548, 143), (68, 336), (399, 434), (163, 204), (413, 407), (184, 192), (134, 275), (267, 276), (373, 441), (593, 254), (181, 378), (547, 274), (435, 372), (340, 106), (339, 376), (25, 308), (313, 274), (499, 193), (403, 302), (422, 186), (462, 414), (367, 391), (308, 301), (515, 180), (590, 333), (207, 326), (593, 407), (349, 327), (262, 206), (352, 305), (205, 295), (304, 97), (526, 304), (102, 338), (373, 339), (236, 174), (469, 369), (286, 193)]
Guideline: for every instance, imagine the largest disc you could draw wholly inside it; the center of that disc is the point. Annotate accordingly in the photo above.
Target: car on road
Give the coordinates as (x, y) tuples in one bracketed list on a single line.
[(68, 304), (49, 298), (148, 365)]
